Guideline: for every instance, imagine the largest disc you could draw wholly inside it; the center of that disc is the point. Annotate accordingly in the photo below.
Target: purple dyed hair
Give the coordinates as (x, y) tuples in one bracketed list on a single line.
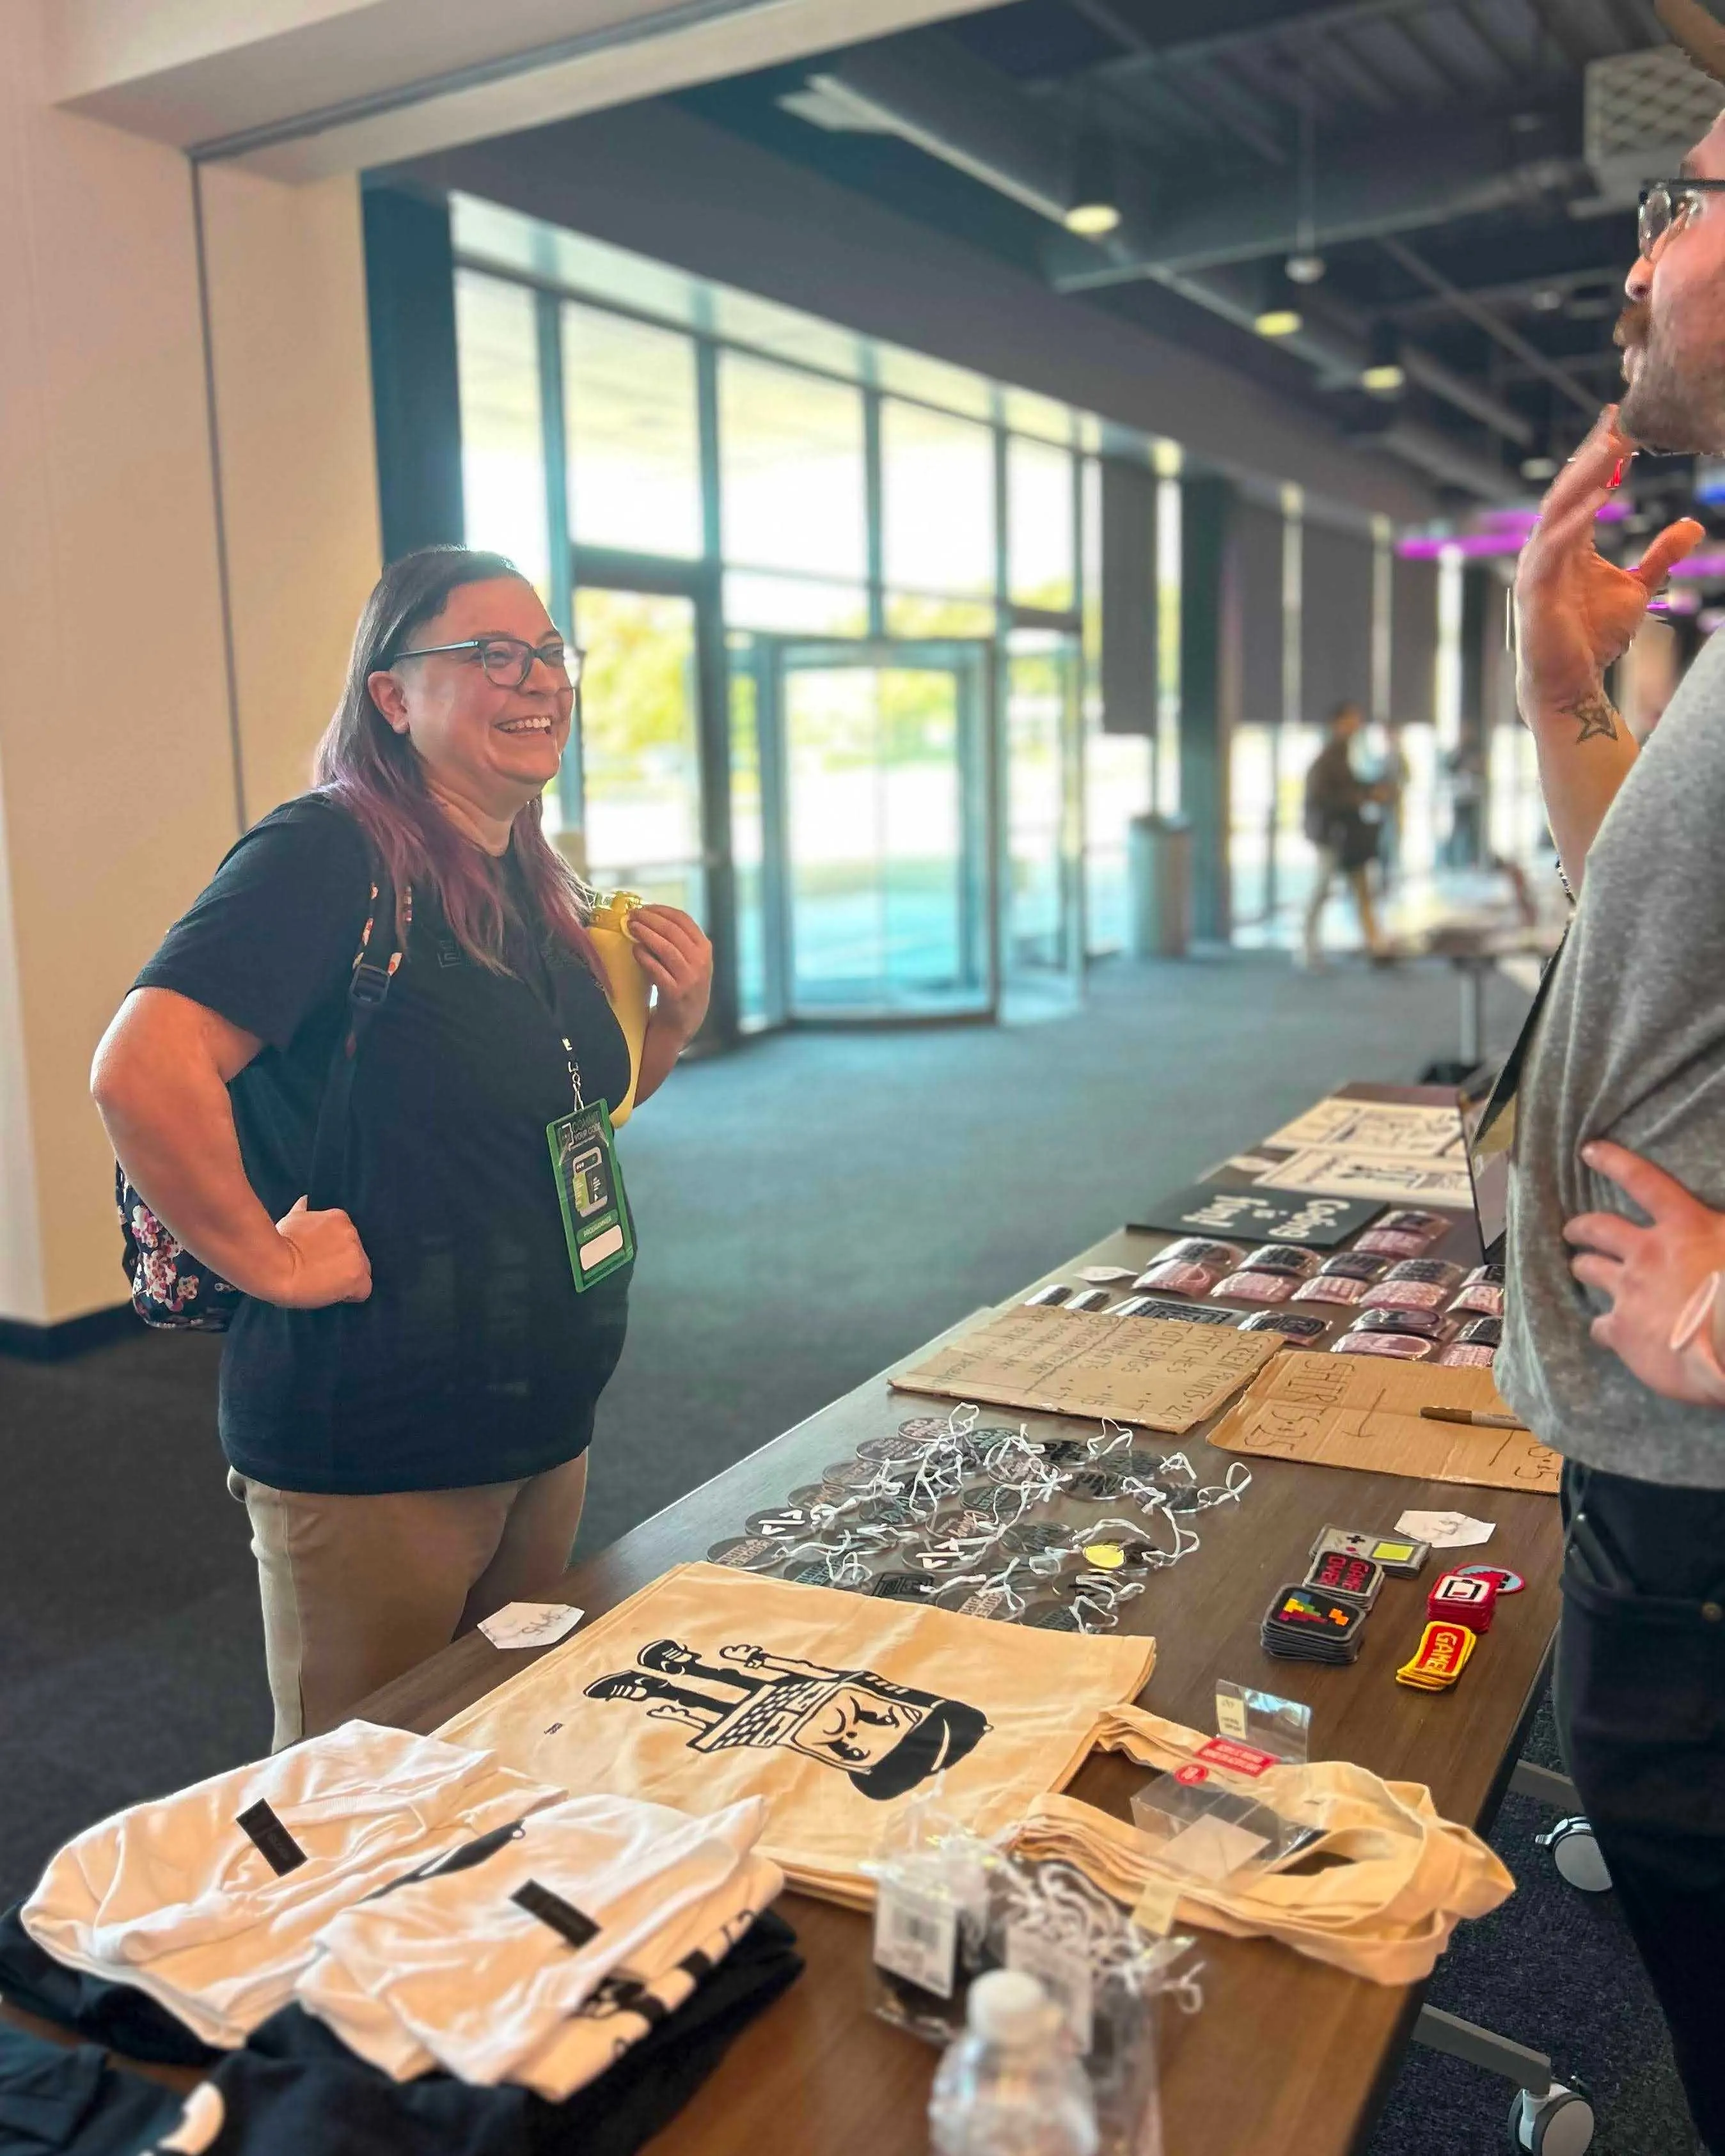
[(376, 775)]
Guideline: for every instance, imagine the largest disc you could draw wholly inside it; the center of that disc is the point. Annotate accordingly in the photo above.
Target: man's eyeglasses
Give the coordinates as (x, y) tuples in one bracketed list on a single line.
[(508, 660), (1667, 204)]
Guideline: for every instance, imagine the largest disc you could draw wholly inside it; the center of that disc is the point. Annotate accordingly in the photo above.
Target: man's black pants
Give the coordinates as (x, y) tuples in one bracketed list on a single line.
[(1640, 1695)]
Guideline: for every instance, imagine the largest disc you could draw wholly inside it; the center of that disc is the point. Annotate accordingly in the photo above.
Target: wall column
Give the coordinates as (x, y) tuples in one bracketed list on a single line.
[(1208, 672), (149, 701)]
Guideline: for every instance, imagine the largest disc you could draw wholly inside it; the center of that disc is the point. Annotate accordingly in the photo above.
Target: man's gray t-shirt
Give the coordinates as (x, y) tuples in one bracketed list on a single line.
[(1630, 1046)]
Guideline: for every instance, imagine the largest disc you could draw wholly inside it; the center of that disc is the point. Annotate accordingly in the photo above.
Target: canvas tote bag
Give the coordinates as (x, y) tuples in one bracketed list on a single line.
[(709, 1686), (1378, 1895)]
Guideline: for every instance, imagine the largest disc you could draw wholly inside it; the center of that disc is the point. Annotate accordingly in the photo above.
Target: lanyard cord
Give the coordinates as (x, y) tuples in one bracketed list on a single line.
[(574, 1074)]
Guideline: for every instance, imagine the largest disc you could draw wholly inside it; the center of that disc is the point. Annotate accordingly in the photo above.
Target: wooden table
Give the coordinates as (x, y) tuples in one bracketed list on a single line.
[(1287, 2055)]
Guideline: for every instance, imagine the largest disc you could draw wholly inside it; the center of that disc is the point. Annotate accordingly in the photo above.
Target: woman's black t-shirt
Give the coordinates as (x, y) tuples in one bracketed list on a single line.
[(473, 1359)]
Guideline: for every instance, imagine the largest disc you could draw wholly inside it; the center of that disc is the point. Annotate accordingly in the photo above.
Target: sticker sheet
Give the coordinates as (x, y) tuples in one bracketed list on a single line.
[(1415, 1131), (1392, 1178)]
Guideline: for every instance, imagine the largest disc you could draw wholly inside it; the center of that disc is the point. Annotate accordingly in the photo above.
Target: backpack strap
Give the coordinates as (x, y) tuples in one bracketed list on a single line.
[(386, 928)]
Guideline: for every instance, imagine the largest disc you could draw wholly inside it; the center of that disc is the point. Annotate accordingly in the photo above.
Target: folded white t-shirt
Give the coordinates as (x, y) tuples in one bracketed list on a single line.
[(625, 2008), (475, 1968), (175, 1897)]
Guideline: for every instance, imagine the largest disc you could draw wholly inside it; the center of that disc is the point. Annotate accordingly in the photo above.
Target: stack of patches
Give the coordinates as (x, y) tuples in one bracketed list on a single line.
[(378, 1940), (1458, 1610), (1320, 1618), (1309, 1625)]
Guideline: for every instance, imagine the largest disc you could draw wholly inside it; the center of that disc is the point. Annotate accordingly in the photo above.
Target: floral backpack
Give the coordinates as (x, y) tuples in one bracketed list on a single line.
[(176, 1292)]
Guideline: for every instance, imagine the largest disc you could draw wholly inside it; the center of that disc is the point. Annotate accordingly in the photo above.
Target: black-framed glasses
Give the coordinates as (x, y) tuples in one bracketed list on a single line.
[(508, 660), (1666, 203)]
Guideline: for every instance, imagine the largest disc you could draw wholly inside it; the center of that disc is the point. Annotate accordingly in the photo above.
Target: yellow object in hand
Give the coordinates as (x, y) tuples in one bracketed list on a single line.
[(625, 984)]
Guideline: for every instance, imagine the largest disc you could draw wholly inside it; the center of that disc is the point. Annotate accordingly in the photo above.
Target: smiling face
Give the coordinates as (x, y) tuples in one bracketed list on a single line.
[(1672, 332), (493, 748)]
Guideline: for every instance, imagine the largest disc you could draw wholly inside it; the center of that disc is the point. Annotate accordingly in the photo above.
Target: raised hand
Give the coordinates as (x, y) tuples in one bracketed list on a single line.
[(1575, 611)]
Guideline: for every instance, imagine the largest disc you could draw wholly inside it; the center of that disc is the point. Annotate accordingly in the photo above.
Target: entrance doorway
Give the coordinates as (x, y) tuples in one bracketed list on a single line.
[(877, 797)]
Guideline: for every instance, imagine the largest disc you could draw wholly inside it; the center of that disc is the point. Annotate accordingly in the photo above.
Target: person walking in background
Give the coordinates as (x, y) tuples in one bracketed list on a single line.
[(409, 1380), (1346, 838)]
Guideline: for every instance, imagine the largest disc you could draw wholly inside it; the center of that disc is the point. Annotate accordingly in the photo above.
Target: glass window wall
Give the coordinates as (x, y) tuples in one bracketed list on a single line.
[(717, 493), (633, 433), (502, 430), (938, 485), (791, 482), (1039, 526)]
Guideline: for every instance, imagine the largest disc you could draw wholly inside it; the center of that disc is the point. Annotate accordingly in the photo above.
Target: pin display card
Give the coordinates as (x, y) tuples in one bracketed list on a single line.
[(1348, 1411), (1159, 1374)]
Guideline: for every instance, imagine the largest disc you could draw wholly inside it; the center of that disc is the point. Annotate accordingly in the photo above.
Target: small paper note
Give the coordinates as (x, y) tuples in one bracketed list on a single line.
[(1158, 1905), (1104, 1275), (530, 1624), (1444, 1530)]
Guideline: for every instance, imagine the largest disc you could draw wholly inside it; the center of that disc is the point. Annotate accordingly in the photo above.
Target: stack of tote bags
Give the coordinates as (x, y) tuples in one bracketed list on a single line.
[(711, 1686)]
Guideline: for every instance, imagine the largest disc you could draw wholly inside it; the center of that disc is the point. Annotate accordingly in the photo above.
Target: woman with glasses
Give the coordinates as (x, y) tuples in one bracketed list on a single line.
[(410, 1377)]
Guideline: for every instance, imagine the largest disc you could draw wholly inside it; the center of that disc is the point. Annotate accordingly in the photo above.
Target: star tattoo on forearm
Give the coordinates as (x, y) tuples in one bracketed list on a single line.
[(1597, 718)]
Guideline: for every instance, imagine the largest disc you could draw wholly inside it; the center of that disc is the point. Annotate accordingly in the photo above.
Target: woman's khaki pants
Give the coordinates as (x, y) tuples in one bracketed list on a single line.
[(358, 1589)]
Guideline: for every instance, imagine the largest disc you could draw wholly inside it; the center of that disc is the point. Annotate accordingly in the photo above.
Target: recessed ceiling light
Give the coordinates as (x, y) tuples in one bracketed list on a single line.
[(1545, 299), (1539, 468), (1385, 381), (1279, 322), (1091, 220), (1305, 269)]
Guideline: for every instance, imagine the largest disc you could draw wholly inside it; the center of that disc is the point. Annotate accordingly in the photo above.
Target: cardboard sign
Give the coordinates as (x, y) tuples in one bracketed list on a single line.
[(1161, 1374), (1350, 1411), (1259, 1215)]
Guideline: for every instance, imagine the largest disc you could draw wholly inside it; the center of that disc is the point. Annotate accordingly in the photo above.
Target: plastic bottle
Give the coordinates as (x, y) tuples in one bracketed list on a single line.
[(1009, 2085)]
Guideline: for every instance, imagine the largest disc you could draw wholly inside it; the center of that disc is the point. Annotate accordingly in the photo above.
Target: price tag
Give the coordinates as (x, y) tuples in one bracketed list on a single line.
[(916, 1936), (1063, 1974), (1231, 1716)]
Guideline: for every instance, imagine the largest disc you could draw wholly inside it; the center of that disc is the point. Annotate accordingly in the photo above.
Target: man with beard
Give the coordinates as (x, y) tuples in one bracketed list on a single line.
[(1617, 1215)]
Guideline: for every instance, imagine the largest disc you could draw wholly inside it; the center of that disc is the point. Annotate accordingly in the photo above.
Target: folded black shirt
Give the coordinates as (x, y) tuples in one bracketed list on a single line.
[(294, 2087)]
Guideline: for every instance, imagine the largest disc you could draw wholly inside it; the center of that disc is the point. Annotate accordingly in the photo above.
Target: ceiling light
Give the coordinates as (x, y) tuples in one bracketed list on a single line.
[(1387, 380), (1091, 220), (1305, 269), (1093, 212), (1539, 468), (1279, 322), (1545, 299)]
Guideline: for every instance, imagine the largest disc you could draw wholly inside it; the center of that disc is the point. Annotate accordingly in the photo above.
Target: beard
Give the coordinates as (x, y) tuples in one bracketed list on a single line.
[(1672, 406)]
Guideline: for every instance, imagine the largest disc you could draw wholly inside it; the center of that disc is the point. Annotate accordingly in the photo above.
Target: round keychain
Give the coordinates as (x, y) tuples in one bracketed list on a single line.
[(748, 1552)]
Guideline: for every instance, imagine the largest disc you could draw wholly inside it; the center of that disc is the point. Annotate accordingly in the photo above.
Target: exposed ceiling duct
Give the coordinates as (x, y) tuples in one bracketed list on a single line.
[(928, 90)]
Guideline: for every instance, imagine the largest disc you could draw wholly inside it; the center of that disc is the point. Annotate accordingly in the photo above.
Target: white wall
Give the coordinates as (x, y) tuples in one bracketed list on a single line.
[(119, 780), (113, 729), (299, 465)]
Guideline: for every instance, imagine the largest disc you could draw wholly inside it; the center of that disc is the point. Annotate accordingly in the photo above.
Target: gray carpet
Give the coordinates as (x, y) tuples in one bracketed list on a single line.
[(811, 1208)]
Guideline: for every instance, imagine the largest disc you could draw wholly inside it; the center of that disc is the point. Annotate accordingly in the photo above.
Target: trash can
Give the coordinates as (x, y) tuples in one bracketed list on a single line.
[(1159, 885)]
